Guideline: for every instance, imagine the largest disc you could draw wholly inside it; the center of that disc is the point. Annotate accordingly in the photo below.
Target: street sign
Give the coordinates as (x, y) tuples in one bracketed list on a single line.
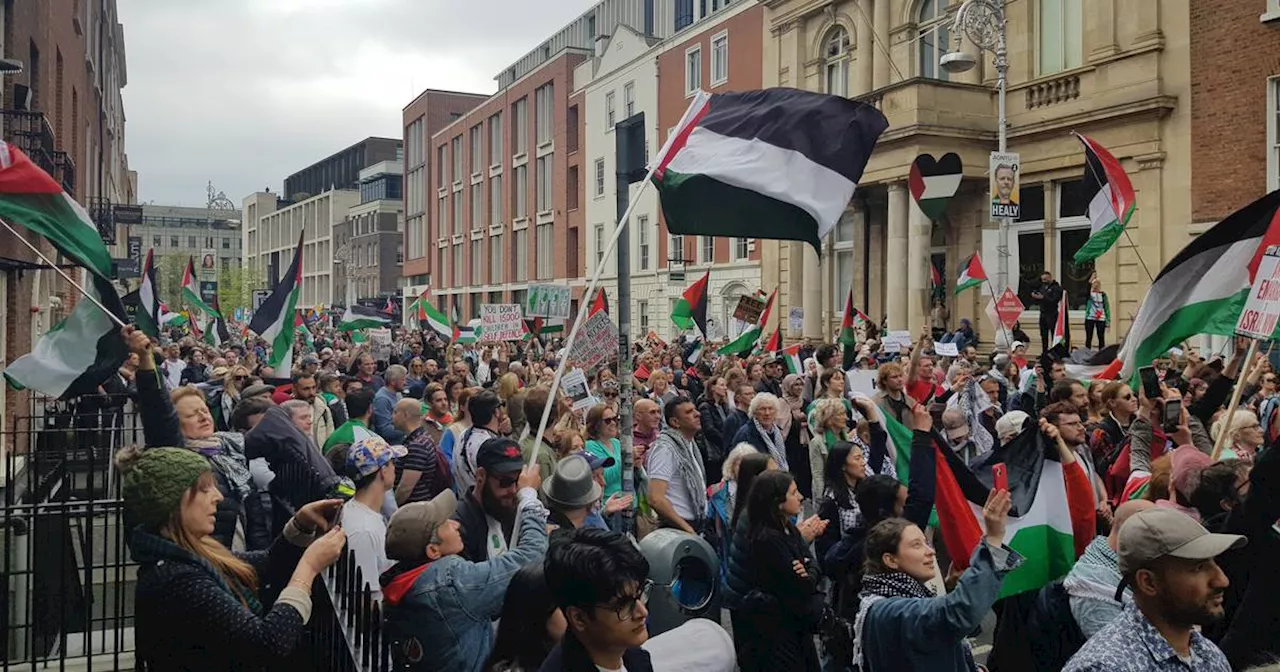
[(1009, 308), (259, 298), (1262, 309)]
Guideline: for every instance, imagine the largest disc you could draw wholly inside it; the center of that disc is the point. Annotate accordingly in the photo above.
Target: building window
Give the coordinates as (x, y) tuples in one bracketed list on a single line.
[(571, 130), (457, 212), (741, 248), (599, 244), (1273, 134), (495, 259), (477, 262), (720, 59), (495, 140), (642, 309), (456, 148), (458, 274), (440, 268), (544, 178), (520, 191), (155, 241), (1070, 231), (934, 37), (1061, 36), (226, 243), (610, 111), (571, 188), (442, 217), (477, 146), (495, 200), (628, 100), (520, 241), (415, 152), (675, 247), (642, 232), (544, 99), (836, 52), (693, 70), (173, 241), (477, 206), (708, 249), (520, 127), (599, 178), (442, 167), (684, 14), (546, 251)]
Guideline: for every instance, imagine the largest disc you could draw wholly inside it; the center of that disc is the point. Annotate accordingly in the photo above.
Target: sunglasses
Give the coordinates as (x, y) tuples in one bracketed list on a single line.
[(506, 481), (612, 421)]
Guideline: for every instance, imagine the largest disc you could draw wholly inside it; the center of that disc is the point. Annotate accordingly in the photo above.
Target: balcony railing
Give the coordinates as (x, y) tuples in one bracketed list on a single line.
[(33, 134)]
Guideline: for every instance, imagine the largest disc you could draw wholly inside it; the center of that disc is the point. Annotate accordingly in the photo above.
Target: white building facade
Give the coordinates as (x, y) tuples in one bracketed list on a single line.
[(271, 231)]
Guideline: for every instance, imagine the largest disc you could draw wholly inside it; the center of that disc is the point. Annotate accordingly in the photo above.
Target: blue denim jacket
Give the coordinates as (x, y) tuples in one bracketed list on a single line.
[(444, 621)]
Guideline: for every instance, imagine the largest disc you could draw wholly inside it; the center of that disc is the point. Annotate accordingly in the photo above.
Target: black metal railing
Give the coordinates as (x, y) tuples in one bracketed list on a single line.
[(33, 134)]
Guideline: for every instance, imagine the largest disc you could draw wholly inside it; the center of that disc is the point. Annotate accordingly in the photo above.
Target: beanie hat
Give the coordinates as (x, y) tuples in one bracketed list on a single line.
[(155, 480)]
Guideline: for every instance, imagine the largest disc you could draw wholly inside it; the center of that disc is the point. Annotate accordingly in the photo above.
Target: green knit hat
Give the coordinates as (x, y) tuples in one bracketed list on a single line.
[(156, 479)]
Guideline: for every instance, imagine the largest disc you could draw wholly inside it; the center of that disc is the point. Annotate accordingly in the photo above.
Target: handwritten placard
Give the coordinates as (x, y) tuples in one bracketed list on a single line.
[(502, 321)]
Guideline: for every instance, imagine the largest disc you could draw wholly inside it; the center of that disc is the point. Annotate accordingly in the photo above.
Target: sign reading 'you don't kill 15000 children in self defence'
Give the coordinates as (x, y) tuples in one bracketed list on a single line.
[(1262, 310)]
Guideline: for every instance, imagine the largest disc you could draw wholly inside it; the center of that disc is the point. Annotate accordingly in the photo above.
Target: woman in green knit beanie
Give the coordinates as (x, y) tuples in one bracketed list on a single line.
[(198, 603)]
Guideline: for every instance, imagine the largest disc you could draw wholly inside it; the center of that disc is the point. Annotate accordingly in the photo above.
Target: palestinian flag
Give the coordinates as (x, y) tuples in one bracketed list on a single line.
[(1060, 327), (300, 327), (148, 317), (363, 317), (691, 309), (790, 355), (933, 183), (899, 447), (600, 304), (274, 321), (191, 290), (1111, 199), (455, 319), (779, 163), (78, 353), (935, 278), (358, 337), (168, 318), (693, 351), (435, 319), (215, 332), (1103, 366), (541, 326), (417, 307), (971, 273), (33, 199), (748, 339), (848, 338), (193, 321), (1204, 288), (470, 333), (1052, 520)]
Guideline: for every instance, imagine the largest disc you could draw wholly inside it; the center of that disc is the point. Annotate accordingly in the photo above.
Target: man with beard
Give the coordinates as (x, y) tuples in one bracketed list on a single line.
[(1168, 560), (487, 514), (1067, 418)]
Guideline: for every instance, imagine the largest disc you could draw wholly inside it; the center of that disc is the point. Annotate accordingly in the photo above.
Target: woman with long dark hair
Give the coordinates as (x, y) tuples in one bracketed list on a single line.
[(736, 578), (529, 626)]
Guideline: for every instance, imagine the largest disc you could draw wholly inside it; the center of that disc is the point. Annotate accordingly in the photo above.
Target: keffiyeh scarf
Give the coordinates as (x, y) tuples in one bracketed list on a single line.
[(774, 442), (225, 452), (876, 587)]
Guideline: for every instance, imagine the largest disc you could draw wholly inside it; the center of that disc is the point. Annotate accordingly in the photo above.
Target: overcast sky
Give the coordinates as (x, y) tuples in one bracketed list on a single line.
[(245, 92)]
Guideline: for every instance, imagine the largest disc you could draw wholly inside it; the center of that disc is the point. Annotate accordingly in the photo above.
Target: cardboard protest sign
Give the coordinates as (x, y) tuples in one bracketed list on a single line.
[(501, 322), (1262, 308), (551, 301), (380, 344), (749, 309), (575, 387), (596, 343)]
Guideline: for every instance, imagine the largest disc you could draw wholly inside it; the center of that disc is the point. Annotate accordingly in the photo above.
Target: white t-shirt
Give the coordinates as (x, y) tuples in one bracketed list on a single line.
[(662, 464), (173, 372), (464, 460), (367, 537)]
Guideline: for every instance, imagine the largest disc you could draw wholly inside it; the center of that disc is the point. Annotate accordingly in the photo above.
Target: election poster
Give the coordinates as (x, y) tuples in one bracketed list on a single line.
[(1005, 185)]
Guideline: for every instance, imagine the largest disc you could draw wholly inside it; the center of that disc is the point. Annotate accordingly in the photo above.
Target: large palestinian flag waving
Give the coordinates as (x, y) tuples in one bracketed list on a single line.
[(691, 310), (274, 321), (1111, 199)]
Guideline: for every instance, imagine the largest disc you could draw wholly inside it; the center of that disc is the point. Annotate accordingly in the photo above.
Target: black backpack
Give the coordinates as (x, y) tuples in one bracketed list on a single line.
[(1052, 630)]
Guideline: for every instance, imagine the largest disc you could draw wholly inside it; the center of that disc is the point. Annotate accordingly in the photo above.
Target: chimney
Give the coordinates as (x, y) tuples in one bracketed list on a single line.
[(602, 43)]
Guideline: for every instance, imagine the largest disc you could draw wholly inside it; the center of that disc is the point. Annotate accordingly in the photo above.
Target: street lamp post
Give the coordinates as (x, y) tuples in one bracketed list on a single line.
[(984, 23)]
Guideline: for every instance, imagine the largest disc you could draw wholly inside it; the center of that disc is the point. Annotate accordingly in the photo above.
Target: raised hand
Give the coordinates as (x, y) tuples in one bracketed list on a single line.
[(994, 515)]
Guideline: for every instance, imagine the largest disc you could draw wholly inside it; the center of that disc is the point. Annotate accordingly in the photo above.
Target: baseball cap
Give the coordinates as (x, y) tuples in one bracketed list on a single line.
[(412, 525), (1010, 425), (596, 461), (370, 454), (500, 456), (220, 371), (960, 431), (1155, 533)]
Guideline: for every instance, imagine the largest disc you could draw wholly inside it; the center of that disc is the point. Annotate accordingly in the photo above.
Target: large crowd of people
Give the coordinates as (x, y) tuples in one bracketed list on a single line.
[(817, 493)]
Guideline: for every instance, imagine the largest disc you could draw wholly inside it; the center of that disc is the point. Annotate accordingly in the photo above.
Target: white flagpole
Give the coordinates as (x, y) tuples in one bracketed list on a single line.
[(63, 273)]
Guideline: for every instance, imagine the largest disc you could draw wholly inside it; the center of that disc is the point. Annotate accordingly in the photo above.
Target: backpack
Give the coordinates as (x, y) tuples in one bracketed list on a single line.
[(1054, 635)]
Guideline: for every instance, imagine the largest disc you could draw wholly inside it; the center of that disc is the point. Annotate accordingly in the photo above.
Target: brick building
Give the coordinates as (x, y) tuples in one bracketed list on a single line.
[(1235, 159), (73, 64)]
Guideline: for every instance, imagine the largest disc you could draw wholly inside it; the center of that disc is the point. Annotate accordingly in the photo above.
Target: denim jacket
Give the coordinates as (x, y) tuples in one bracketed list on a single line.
[(439, 614)]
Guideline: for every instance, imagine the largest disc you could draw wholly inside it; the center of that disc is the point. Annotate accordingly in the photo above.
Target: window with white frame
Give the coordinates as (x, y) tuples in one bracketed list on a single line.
[(546, 251), (1070, 231), (520, 126), (495, 139), (442, 216), (1061, 36), (610, 111), (545, 111), (457, 212), (495, 200), (642, 310), (440, 265), (496, 259), (477, 206), (693, 70), (675, 247), (741, 247), (599, 177), (642, 234), (442, 167), (835, 53), (520, 243), (456, 148), (599, 233), (458, 262), (708, 249), (520, 191), (477, 145), (720, 59), (1273, 131), (933, 36), (544, 178), (477, 262)]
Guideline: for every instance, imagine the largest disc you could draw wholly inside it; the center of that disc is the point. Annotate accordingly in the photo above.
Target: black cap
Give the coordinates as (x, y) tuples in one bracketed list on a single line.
[(500, 456)]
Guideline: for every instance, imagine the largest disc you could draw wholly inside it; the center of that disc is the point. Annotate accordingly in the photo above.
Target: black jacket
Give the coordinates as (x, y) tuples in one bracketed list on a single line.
[(302, 474), (730, 428), (570, 656), (714, 417), (189, 619), (475, 528), (160, 429)]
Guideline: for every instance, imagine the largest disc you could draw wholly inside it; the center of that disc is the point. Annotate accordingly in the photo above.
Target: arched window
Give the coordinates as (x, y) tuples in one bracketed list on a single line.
[(934, 37), (835, 53)]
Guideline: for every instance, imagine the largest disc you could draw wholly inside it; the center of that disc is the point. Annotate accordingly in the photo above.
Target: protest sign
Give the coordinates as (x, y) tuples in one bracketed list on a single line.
[(862, 381), (380, 344), (1262, 308), (1008, 308), (749, 309), (501, 321), (575, 387), (551, 301), (893, 341), (946, 350), (795, 319), (596, 343)]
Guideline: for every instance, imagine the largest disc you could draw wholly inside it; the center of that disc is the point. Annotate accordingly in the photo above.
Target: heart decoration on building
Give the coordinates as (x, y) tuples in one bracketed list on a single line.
[(933, 182)]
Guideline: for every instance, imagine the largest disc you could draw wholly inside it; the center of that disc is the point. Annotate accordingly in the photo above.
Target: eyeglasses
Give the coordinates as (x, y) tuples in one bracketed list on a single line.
[(628, 608), (611, 421), (506, 481), (1127, 397)]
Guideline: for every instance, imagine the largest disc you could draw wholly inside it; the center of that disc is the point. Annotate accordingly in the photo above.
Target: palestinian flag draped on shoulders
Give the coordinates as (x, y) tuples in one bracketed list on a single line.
[(276, 320), (1204, 288), (79, 353), (778, 163)]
